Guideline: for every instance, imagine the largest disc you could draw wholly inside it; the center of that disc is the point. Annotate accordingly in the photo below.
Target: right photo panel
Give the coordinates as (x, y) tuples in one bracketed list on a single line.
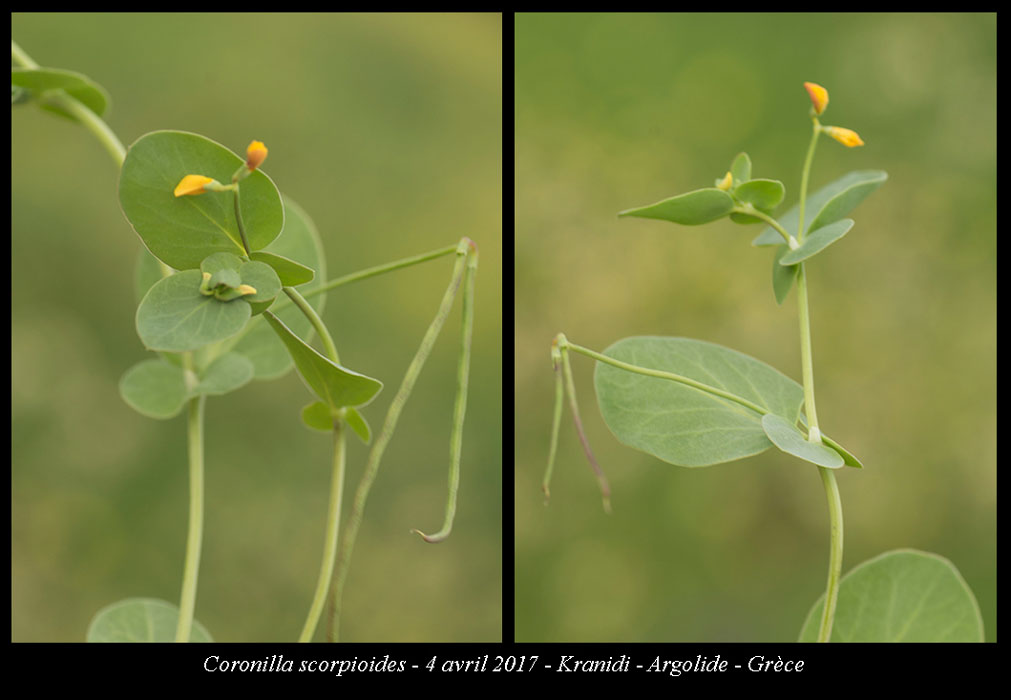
[(755, 349)]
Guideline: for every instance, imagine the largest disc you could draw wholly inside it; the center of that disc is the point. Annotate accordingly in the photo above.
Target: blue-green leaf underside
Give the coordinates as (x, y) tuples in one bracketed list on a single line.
[(683, 425), (817, 241), (141, 620), (790, 440), (829, 204), (783, 276), (689, 209), (901, 596)]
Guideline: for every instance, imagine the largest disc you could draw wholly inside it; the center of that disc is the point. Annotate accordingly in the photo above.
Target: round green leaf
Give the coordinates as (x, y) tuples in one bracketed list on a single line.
[(689, 209), (146, 272), (817, 242), (42, 83), (176, 317), (845, 194), (317, 416), (213, 264), (337, 386), (154, 388), (300, 242), (789, 439), (182, 231), (761, 193), (261, 277), (141, 620), (683, 425), (226, 373), (901, 596)]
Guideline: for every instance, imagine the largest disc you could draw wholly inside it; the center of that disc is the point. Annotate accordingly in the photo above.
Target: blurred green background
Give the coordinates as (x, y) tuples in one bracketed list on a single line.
[(387, 130), (616, 111)]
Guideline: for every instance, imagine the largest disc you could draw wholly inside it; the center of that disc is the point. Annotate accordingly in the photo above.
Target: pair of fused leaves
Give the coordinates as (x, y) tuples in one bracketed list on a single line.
[(45, 85), (185, 233), (823, 223), (691, 427), (712, 203)]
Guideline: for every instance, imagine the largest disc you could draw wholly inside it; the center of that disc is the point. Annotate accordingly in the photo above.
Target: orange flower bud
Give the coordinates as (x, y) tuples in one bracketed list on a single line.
[(192, 184), (819, 96), (256, 153), (846, 137)]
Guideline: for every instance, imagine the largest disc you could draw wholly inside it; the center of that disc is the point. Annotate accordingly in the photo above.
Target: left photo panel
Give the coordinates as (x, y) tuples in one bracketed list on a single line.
[(256, 353)]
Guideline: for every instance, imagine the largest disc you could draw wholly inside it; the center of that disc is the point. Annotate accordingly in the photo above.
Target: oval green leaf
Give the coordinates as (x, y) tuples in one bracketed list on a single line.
[(317, 416), (213, 264), (837, 199), (683, 425), (174, 315), (141, 620), (789, 439), (901, 596), (817, 242), (783, 276), (761, 193), (848, 458), (689, 209), (337, 386), (261, 277), (42, 83), (154, 388), (740, 169), (226, 373), (182, 231), (358, 424), (291, 273), (300, 242)]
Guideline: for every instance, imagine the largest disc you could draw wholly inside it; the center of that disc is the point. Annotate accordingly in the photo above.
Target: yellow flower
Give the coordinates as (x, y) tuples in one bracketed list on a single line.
[(192, 184), (819, 96), (726, 182), (846, 137), (256, 153)]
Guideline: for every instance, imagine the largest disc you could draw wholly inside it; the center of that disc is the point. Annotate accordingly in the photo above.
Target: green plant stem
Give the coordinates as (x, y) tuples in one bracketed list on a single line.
[(317, 322), (390, 423), (459, 404), (238, 220), (751, 211), (556, 423), (814, 432), (605, 488), (659, 374), (805, 174), (333, 519), (195, 434)]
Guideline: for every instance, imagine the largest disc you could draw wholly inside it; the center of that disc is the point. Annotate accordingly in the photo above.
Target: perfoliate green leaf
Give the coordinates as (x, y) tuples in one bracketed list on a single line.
[(261, 277), (141, 620), (901, 596), (817, 242), (226, 373), (182, 231), (176, 317), (789, 439), (689, 209), (836, 199), (318, 416), (681, 424)]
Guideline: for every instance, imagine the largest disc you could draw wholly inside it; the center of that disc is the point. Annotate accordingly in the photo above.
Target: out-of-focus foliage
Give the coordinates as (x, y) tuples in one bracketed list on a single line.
[(616, 111), (387, 130)]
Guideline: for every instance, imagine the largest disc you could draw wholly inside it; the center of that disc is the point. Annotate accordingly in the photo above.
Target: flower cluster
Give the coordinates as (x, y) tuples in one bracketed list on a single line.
[(256, 153), (819, 101)]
